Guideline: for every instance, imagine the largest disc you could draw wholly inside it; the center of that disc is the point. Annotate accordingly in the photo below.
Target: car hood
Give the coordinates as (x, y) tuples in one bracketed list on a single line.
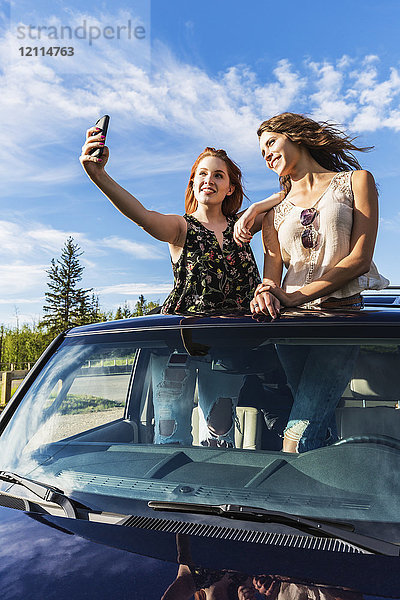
[(44, 556)]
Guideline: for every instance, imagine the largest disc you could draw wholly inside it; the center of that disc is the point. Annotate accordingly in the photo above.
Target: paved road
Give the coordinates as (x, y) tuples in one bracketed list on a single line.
[(111, 387)]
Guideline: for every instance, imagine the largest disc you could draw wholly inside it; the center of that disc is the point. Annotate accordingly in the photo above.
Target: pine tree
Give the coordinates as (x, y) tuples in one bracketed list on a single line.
[(123, 312), (151, 306), (140, 308), (143, 307), (68, 305)]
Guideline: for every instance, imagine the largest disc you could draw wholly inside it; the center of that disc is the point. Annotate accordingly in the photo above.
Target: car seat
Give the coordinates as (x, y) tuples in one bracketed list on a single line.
[(250, 422), (375, 386)]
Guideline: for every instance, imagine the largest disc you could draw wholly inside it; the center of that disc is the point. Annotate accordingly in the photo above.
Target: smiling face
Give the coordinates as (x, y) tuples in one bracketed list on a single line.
[(280, 153), (211, 183)]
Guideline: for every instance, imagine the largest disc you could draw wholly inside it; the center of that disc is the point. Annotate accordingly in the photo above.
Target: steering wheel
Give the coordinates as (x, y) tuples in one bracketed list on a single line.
[(383, 440)]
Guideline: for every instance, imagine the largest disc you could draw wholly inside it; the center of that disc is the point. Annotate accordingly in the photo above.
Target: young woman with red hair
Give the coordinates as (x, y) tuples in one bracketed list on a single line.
[(212, 274)]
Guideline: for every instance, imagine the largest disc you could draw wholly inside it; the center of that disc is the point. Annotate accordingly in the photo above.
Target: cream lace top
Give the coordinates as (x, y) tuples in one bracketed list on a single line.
[(333, 226)]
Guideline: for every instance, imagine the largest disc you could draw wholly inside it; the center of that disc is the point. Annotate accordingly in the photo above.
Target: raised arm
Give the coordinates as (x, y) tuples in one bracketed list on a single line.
[(250, 220), (362, 244), (167, 228)]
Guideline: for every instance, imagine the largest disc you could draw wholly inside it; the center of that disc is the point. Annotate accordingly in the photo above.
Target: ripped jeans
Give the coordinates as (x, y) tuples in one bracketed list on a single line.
[(173, 394), (317, 376)]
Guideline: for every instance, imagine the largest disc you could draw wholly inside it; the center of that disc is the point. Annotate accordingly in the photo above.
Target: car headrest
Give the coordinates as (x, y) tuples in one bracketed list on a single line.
[(376, 375)]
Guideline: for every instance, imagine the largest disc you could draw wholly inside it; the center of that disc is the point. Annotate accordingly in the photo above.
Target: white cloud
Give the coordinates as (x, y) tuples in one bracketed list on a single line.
[(17, 301), (277, 96), (392, 224), (363, 79), (329, 101), (140, 251), (19, 278), (382, 94), (367, 119), (11, 241), (393, 120), (21, 239), (371, 58), (174, 96), (344, 61), (52, 240)]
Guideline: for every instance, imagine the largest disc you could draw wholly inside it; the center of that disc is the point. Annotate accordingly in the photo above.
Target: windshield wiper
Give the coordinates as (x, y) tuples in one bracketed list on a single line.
[(48, 493), (319, 527)]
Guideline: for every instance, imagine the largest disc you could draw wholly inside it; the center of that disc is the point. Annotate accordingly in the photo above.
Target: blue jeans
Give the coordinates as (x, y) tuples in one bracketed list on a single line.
[(173, 394), (317, 376)]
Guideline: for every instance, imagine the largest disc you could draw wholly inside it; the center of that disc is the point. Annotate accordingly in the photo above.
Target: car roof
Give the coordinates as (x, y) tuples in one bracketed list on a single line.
[(369, 316)]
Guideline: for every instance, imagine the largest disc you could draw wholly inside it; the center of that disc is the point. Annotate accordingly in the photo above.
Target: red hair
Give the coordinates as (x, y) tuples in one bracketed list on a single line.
[(230, 204)]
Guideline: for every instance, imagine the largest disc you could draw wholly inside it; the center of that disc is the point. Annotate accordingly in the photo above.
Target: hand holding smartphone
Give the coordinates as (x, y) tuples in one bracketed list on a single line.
[(102, 124)]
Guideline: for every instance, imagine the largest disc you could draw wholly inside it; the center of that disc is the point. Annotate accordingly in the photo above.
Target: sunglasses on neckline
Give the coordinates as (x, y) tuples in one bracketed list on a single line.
[(309, 237)]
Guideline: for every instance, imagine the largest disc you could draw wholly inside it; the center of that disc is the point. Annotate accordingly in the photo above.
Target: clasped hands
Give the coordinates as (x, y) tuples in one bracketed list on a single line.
[(269, 297)]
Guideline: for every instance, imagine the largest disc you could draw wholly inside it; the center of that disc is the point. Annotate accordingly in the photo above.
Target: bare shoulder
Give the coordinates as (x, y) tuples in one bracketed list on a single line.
[(364, 191), (180, 220), (364, 188), (362, 179)]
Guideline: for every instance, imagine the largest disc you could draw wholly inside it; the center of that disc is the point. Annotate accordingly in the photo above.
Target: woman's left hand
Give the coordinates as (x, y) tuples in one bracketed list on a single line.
[(266, 303), (242, 229), (285, 298)]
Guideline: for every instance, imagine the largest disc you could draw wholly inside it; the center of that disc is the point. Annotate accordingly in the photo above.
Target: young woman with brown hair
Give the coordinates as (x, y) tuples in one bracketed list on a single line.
[(323, 233)]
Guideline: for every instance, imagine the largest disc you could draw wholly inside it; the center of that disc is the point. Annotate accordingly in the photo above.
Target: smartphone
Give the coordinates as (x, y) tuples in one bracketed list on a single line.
[(102, 123)]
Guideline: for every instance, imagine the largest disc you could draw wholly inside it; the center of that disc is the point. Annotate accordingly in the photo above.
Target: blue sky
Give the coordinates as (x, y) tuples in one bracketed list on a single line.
[(197, 74)]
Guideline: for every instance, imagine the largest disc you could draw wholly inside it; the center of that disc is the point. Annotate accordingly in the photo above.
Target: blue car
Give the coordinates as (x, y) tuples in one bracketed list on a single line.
[(142, 459)]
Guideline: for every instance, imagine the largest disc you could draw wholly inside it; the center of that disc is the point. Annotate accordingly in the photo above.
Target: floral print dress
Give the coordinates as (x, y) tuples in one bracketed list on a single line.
[(211, 279)]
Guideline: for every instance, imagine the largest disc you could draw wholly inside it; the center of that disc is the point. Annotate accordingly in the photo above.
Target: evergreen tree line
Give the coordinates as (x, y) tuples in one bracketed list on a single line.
[(66, 305)]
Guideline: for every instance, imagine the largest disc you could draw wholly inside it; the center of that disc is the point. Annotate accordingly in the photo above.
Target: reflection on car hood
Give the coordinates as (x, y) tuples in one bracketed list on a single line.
[(39, 558), (56, 557)]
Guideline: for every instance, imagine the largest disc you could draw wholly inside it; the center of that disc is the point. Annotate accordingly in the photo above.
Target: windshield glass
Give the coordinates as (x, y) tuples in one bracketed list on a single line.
[(199, 415)]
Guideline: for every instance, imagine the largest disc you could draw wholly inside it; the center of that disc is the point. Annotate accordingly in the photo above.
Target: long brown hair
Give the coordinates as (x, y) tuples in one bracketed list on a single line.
[(328, 145), (230, 204)]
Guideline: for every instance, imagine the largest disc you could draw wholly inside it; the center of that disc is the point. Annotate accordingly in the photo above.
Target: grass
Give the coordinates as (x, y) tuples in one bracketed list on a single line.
[(86, 404)]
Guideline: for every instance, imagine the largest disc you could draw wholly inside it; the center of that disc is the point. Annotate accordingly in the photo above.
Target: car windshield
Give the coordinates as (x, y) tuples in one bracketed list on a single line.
[(197, 415)]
